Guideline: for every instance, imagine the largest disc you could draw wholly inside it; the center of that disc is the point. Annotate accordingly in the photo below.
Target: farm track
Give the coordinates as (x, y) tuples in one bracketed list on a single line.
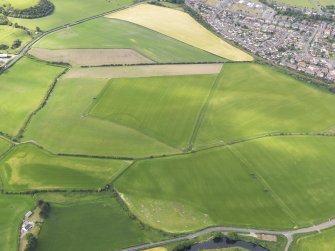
[(203, 110)]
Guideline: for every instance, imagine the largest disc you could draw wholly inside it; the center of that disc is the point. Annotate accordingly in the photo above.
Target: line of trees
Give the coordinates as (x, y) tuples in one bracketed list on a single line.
[(31, 242), (42, 9)]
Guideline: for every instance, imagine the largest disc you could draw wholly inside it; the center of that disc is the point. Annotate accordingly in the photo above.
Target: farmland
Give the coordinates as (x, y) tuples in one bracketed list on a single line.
[(4, 146), (289, 194), (73, 227), (90, 57), (19, 4), (152, 45), (27, 167), (65, 12), (256, 98), (22, 89), (307, 3), (142, 126), (82, 134), (8, 34), (12, 210), (138, 71), (322, 241), (180, 26), (167, 115)]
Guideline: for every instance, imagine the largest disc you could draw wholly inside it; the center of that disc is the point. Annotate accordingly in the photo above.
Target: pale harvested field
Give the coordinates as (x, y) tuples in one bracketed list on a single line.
[(156, 249), (143, 71), (181, 26), (90, 57)]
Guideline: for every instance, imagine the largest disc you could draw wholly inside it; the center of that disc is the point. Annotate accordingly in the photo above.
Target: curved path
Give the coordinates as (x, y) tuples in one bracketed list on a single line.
[(287, 233), (26, 48)]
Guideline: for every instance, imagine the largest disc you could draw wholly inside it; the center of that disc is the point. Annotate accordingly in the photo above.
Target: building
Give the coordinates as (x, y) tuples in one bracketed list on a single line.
[(27, 226), (28, 214)]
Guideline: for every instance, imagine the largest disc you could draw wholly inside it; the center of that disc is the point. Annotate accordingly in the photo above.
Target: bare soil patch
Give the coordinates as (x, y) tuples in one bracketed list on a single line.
[(143, 71), (90, 57)]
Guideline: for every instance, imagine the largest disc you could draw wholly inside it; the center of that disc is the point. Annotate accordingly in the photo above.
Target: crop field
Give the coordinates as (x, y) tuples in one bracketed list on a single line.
[(323, 241), (4, 146), (19, 4), (307, 3), (142, 125), (268, 183), (300, 3), (180, 26), (9, 33), (90, 57), (165, 108), (99, 224), (214, 195), (70, 131), (67, 11), (252, 100), (12, 210), (22, 89), (151, 44), (138, 71), (326, 2), (27, 167)]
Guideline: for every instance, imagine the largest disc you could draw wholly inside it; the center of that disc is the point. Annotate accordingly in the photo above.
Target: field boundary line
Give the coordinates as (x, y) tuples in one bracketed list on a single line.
[(164, 155), (123, 172), (27, 47), (203, 109), (239, 156), (211, 53), (41, 105), (138, 131)]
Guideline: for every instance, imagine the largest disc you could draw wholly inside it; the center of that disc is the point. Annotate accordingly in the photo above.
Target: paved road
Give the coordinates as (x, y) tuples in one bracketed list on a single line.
[(26, 48), (287, 233)]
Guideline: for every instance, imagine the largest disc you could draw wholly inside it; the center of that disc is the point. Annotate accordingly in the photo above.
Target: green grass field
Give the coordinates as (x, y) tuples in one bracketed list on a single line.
[(323, 241), (12, 211), (68, 130), (253, 100), (268, 183), (299, 3), (165, 108), (67, 12), (8, 34), (22, 89), (27, 167), (99, 224), (107, 33), (307, 3), (19, 4), (4, 146)]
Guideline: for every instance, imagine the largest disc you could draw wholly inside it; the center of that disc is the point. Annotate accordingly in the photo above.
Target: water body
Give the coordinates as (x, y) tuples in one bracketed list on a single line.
[(223, 243)]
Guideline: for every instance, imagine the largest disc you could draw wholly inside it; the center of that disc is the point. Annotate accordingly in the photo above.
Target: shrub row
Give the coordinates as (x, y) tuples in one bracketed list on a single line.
[(42, 9)]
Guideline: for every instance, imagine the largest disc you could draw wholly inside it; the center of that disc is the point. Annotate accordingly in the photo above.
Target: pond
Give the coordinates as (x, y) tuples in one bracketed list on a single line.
[(223, 242)]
